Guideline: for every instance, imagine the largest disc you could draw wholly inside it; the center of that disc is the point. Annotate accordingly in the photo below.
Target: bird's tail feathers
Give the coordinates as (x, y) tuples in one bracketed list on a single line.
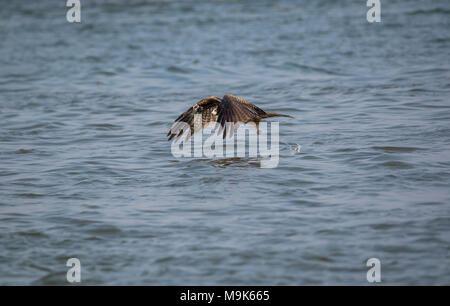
[(270, 114)]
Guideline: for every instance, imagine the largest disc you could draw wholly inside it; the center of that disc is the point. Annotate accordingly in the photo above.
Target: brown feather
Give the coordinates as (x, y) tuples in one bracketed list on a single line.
[(229, 109)]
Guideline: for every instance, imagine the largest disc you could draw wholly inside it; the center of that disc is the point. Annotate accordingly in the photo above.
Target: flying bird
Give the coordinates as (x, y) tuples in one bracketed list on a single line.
[(213, 110)]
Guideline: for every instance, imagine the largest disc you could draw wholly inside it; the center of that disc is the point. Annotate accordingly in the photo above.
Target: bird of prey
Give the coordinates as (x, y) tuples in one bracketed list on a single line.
[(230, 110)]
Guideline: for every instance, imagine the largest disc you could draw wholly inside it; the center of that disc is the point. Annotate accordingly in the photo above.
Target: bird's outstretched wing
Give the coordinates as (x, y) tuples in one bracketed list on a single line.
[(206, 109), (234, 111)]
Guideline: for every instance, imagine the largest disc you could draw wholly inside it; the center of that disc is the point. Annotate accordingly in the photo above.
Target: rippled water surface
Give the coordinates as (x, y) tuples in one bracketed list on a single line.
[(86, 170)]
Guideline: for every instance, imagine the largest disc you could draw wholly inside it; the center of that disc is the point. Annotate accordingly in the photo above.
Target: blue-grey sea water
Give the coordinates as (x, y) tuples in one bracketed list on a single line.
[(86, 170)]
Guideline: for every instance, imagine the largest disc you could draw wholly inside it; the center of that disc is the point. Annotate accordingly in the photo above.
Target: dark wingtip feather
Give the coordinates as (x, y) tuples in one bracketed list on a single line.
[(270, 114)]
